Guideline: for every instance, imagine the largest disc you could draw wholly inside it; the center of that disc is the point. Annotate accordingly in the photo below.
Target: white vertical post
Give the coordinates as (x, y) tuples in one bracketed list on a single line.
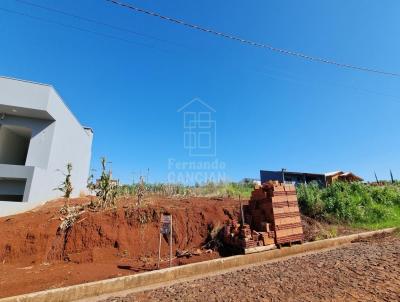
[(170, 244), (159, 252)]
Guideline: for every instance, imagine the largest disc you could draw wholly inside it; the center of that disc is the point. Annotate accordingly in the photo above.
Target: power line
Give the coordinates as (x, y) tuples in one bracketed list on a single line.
[(90, 20), (76, 28), (252, 43), (290, 77)]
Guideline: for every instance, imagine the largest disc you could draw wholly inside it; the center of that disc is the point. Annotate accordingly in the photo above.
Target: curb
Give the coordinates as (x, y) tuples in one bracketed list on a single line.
[(92, 289)]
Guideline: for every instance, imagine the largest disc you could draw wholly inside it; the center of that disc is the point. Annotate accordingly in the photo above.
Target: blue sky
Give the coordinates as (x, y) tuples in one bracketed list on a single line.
[(272, 111)]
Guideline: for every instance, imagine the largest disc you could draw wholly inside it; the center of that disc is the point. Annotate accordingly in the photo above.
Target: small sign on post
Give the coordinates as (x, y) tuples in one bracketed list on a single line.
[(165, 229)]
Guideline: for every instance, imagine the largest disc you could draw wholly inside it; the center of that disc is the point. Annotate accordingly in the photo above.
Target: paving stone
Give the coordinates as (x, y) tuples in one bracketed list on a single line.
[(368, 270)]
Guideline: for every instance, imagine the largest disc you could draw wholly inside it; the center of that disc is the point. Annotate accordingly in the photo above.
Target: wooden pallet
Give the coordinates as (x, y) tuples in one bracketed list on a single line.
[(279, 245), (298, 238)]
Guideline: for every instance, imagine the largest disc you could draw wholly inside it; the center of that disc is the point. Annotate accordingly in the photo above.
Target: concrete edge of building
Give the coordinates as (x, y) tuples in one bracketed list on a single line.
[(39, 136), (92, 289)]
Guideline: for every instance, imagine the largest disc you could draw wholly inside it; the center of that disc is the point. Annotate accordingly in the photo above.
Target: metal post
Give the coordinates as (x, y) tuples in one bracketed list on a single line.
[(170, 244), (159, 252), (376, 177), (283, 174)]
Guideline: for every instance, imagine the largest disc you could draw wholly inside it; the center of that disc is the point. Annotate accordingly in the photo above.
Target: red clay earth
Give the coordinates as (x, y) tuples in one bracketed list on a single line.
[(35, 255)]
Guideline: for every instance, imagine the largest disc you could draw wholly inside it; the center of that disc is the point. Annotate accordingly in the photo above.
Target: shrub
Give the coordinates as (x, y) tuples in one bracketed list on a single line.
[(343, 202), (66, 187), (349, 202), (310, 200), (105, 188), (387, 195)]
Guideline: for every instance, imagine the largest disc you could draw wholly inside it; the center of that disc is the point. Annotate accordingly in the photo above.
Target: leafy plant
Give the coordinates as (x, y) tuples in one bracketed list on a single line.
[(310, 200), (140, 191), (66, 186), (90, 185), (106, 188)]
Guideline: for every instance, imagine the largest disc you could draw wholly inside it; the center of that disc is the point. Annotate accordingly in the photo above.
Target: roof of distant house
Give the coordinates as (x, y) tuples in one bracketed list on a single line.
[(334, 173)]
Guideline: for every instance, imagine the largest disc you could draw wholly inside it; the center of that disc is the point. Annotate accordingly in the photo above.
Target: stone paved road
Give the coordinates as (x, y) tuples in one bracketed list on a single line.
[(367, 270)]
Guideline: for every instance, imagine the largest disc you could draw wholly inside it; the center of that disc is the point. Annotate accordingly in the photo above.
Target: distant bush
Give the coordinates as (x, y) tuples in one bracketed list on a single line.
[(349, 202), (386, 195)]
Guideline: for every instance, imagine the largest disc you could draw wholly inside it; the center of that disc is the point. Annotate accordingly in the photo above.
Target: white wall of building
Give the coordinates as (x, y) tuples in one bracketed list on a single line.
[(57, 138)]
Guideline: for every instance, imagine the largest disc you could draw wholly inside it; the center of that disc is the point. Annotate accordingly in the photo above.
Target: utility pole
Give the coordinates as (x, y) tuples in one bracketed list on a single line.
[(376, 178), (283, 174)]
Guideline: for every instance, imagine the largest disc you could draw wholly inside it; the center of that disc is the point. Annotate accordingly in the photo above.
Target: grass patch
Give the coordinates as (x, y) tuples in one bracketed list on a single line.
[(355, 204), (209, 189), (392, 221)]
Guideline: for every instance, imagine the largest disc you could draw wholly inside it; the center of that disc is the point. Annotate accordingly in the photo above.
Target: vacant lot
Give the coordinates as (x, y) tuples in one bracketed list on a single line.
[(35, 255), (367, 270)]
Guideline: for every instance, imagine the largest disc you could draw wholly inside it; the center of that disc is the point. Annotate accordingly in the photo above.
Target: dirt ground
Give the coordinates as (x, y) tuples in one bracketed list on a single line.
[(367, 270), (35, 255)]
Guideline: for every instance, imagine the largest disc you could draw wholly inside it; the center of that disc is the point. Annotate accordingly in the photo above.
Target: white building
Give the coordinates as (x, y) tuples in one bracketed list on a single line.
[(38, 137)]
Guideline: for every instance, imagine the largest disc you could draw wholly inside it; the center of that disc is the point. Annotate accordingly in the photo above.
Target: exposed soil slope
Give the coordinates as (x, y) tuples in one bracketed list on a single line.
[(35, 255)]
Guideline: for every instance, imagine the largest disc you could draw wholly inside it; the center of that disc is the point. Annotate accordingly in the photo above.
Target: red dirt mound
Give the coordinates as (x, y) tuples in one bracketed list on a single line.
[(36, 255)]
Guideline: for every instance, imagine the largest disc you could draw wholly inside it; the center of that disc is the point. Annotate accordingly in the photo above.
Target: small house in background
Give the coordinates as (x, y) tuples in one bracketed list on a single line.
[(292, 177), (305, 178), (342, 176)]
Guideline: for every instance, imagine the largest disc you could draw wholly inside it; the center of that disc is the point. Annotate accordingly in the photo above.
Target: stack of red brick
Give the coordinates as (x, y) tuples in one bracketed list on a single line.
[(271, 217), (242, 236), (273, 211)]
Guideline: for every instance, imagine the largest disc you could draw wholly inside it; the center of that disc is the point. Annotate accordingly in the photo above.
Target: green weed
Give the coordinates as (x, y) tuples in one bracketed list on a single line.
[(358, 204)]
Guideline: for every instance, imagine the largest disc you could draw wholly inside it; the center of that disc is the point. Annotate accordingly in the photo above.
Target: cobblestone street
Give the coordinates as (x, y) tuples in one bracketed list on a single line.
[(368, 270)]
